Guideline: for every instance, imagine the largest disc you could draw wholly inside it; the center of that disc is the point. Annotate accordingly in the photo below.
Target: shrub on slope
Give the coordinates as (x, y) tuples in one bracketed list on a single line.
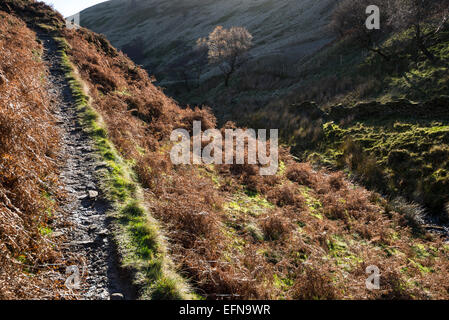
[(405, 111), (302, 234)]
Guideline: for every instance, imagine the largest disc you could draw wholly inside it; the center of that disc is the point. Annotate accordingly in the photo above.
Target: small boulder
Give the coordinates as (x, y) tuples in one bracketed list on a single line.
[(93, 194), (103, 232), (57, 234), (117, 296), (91, 185), (82, 197), (3, 79)]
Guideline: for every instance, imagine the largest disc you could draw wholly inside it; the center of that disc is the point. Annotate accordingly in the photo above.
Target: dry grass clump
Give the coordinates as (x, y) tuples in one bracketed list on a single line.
[(35, 13), (285, 195), (312, 284), (301, 173), (302, 234), (275, 226), (29, 142)]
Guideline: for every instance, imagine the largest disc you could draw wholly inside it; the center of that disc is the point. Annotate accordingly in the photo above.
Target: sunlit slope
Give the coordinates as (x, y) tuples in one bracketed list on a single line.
[(156, 33)]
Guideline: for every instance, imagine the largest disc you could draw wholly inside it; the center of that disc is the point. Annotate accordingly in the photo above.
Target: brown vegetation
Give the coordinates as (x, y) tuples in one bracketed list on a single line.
[(29, 143), (301, 234)]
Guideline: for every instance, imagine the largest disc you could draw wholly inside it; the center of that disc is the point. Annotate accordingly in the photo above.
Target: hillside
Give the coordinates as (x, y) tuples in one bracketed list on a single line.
[(184, 231), (385, 122), (29, 146), (405, 150), (158, 34), (161, 36)]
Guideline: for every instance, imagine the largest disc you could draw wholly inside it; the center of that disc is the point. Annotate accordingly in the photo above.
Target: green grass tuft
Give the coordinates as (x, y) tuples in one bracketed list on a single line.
[(140, 244)]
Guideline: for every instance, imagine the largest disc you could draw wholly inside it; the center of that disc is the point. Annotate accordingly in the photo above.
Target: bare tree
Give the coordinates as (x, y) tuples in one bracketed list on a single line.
[(190, 66), (415, 13), (350, 15), (228, 49), (201, 52), (349, 20)]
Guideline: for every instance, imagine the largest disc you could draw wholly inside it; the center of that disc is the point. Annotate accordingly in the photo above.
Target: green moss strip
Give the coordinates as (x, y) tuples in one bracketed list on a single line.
[(138, 235)]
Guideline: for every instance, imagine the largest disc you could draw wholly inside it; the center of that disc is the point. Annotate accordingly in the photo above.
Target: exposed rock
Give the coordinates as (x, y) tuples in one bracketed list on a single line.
[(57, 234), (117, 296), (103, 232), (3, 79), (91, 186), (93, 194), (82, 197), (81, 243)]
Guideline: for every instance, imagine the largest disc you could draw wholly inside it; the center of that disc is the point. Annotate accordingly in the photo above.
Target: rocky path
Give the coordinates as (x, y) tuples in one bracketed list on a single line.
[(89, 235)]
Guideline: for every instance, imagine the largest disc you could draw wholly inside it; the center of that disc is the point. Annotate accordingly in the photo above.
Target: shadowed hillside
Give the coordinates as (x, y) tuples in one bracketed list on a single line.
[(157, 34), (212, 231)]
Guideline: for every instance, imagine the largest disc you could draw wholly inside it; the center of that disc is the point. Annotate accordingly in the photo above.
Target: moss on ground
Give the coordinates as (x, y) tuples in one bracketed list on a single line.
[(138, 235), (398, 156)]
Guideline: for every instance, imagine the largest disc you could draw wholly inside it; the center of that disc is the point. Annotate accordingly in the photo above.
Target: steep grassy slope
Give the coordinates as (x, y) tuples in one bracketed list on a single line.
[(158, 33), (299, 234), (402, 156), (386, 122), (29, 183)]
